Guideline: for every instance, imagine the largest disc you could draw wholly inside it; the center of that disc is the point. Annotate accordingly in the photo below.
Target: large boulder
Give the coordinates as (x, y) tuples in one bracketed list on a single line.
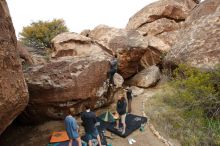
[(159, 23), (13, 90), (130, 47), (146, 78), (73, 44), (103, 34), (66, 83), (158, 44), (161, 16), (199, 44), (159, 26), (151, 57)]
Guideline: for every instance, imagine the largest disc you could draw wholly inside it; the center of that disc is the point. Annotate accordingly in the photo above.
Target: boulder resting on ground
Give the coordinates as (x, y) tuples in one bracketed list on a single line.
[(73, 44), (13, 89), (133, 50), (66, 83), (146, 78)]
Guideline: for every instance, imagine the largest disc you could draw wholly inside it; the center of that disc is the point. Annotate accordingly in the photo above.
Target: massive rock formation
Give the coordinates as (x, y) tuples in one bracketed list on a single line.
[(13, 90), (75, 76), (199, 45), (66, 83), (161, 19), (161, 16), (134, 51), (73, 44), (103, 35), (146, 77)]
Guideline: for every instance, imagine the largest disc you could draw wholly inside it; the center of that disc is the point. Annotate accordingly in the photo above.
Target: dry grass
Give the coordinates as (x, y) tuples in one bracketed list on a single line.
[(190, 128)]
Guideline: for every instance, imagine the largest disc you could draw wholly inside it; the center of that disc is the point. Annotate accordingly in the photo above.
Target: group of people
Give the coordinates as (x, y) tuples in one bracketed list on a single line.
[(89, 118), (89, 122)]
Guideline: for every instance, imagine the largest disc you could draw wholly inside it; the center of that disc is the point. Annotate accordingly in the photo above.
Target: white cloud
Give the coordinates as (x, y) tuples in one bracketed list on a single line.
[(78, 14)]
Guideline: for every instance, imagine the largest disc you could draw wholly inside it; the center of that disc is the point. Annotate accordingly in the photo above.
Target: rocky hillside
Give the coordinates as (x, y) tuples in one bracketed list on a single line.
[(199, 40), (166, 32)]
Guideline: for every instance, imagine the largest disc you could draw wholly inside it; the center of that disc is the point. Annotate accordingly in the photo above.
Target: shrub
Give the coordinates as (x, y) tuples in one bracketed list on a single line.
[(188, 108), (197, 95), (197, 89), (39, 34)]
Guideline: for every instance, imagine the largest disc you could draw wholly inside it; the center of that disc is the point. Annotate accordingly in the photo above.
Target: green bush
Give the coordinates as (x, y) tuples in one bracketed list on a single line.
[(197, 94), (188, 108), (39, 34), (197, 89)]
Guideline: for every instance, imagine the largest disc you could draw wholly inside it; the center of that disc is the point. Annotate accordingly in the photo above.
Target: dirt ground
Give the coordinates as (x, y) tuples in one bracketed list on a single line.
[(39, 135)]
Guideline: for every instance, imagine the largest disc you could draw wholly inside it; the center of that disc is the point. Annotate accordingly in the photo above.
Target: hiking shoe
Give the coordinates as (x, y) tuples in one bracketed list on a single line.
[(120, 129), (129, 141), (133, 140), (123, 132)]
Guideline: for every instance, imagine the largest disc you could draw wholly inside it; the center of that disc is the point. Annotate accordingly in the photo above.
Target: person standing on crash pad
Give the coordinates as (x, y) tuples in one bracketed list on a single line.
[(121, 109), (72, 129), (129, 98)]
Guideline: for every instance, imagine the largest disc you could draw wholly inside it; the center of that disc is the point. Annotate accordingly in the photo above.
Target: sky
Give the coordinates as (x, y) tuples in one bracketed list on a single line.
[(78, 14)]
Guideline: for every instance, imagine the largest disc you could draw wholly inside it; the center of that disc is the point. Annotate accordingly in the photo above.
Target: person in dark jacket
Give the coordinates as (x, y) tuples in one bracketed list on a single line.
[(121, 109), (72, 129), (89, 122), (129, 98), (113, 69)]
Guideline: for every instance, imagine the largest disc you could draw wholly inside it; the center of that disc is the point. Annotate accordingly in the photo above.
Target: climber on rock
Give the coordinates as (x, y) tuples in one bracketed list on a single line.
[(113, 69)]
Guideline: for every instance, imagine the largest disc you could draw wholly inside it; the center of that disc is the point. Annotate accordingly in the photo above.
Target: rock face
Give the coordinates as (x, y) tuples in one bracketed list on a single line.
[(72, 44), (146, 77), (103, 34), (205, 8), (199, 45), (170, 38), (66, 83), (161, 19), (161, 16), (159, 26), (13, 90), (158, 44), (130, 46)]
